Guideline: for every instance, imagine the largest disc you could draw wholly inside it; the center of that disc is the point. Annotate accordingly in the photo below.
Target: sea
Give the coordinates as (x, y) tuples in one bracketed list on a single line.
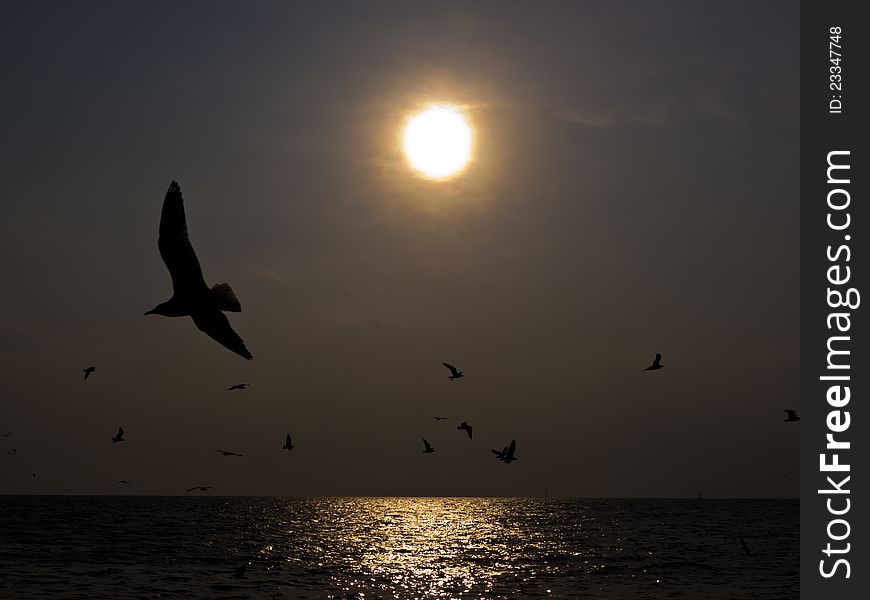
[(216, 547)]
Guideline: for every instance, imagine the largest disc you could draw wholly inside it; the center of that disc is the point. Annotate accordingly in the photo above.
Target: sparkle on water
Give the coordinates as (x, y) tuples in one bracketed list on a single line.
[(437, 142)]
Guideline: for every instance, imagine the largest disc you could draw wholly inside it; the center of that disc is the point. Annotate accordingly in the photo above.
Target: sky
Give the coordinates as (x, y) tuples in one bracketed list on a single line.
[(633, 189)]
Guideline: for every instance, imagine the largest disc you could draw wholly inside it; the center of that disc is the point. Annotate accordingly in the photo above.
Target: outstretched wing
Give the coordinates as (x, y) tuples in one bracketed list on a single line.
[(425, 443), (658, 360), (287, 442), (513, 448), (196, 487), (453, 370), (175, 248), (120, 432), (216, 325)]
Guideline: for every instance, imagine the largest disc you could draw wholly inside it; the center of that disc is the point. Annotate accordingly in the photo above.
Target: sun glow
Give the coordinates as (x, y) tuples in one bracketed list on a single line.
[(437, 142)]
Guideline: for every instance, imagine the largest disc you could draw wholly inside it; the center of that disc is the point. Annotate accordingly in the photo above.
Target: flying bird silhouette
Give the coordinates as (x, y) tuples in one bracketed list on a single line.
[(288, 445), (87, 371), (228, 453), (466, 427), (507, 455), (201, 488), (440, 418), (191, 297), (238, 386), (454, 372), (791, 416), (656, 364), (119, 437), (122, 482), (428, 448)]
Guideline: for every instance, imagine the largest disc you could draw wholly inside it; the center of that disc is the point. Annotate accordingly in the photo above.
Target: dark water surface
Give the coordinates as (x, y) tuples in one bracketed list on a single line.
[(181, 547)]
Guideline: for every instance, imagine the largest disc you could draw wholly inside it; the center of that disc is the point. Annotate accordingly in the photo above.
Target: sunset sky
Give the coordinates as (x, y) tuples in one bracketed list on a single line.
[(633, 188)]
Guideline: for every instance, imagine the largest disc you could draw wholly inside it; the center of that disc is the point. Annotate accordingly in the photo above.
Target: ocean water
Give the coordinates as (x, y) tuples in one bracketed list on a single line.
[(367, 548)]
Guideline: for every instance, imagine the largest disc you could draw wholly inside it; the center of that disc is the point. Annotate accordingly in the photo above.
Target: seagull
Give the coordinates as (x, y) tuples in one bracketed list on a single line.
[(429, 449), (454, 372), (791, 416), (656, 364), (122, 482), (743, 545), (88, 372), (507, 455), (238, 386), (119, 437), (466, 427), (228, 453), (440, 418), (288, 445), (201, 488), (191, 297)]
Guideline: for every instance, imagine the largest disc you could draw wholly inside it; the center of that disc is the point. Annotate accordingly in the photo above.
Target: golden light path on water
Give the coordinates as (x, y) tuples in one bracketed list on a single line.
[(434, 548)]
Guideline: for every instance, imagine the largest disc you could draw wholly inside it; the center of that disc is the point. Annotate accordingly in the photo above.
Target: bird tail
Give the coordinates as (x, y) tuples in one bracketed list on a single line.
[(223, 296)]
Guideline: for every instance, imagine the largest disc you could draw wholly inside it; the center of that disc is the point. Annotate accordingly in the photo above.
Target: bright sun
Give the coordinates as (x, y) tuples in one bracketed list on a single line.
[(438, 141)]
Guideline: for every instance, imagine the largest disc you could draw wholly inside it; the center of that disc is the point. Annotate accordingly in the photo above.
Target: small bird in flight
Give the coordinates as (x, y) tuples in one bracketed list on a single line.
[(201, 488), (228, 453), (791, 416), (440, 418), (656, 364), (454, 372), (288, 445), (238, 386), (428, 448), (87, 371), (119, 437), (466, 427), (122, 482), (191, 297), (507, 455)]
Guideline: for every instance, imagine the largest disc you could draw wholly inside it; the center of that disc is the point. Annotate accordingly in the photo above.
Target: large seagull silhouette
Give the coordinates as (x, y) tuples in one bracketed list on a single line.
[(191, 297)]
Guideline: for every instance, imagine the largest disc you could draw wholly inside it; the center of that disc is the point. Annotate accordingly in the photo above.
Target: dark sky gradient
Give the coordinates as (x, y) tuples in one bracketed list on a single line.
[(634, 189)]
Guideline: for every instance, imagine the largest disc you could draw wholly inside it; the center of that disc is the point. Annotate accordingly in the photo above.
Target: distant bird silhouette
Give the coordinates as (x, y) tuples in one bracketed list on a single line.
[(119, 437), (240, 572), (122, 482), (454, 372), (507, 455), (238, 386), (288, 445), (428, 449), (88, 372), (791, 416), (191, 297), (656, 364), (440, 418), (743, 545), (228, 453), (201, 488), (466, 427)]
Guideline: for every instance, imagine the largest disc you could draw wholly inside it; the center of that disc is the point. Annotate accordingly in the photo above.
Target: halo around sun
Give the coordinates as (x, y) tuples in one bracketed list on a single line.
[(437, 142)]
